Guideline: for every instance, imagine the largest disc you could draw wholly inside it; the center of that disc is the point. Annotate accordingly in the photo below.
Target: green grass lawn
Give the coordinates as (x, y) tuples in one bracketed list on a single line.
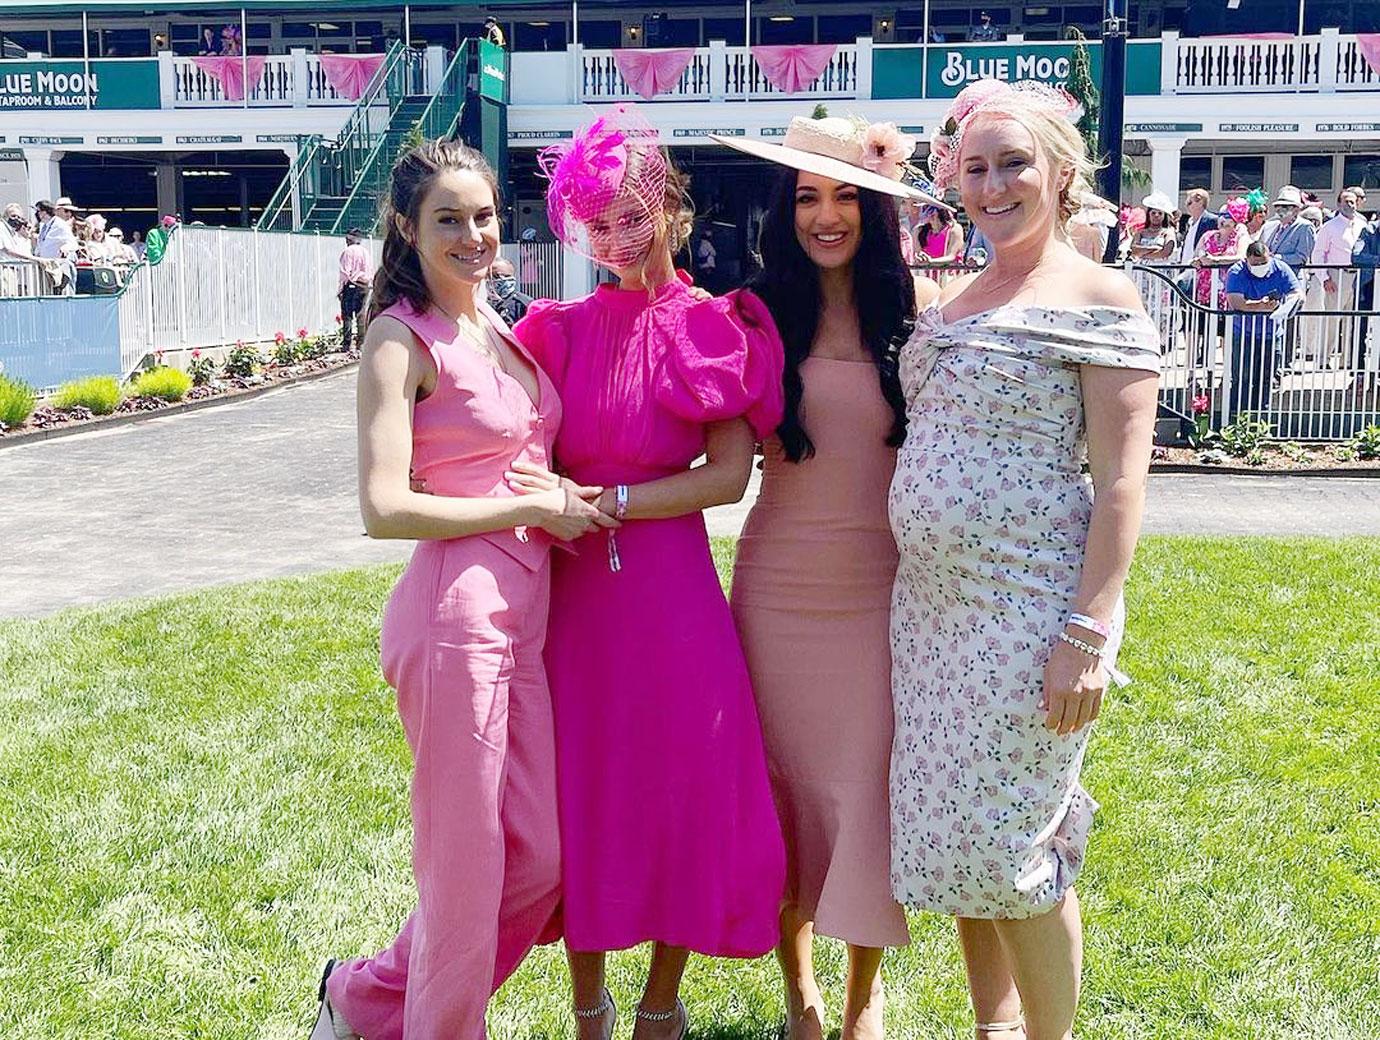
[(204, 796)]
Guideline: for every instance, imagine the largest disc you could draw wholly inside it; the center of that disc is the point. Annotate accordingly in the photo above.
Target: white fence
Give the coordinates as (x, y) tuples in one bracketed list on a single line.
[(717, 73), (1328, 62), (289, 80)]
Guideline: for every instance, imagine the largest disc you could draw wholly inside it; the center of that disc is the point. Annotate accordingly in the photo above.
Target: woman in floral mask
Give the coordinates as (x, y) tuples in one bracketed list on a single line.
[(668, 832)]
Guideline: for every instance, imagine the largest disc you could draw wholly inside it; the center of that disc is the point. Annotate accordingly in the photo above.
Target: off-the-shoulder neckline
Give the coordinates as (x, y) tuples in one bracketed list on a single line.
[(935, 307)]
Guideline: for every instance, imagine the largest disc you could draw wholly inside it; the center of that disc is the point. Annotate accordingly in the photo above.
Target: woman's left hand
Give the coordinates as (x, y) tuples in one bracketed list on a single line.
[(1075, 683), (699, 293), (529, 478)]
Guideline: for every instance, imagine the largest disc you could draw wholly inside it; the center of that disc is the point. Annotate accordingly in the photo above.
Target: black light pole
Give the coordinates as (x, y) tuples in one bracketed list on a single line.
[(1110, 130)]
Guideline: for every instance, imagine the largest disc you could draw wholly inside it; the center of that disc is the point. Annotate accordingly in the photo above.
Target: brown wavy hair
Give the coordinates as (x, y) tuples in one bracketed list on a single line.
[(400, 275)]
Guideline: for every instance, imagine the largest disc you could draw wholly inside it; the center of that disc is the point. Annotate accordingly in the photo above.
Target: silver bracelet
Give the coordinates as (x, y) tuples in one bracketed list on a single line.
[(620, 502), (1078, 644)]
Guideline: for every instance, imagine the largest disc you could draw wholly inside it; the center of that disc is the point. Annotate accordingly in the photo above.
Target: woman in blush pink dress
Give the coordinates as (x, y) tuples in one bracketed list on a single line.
[(449, 400), (816, 561), (667, 826)]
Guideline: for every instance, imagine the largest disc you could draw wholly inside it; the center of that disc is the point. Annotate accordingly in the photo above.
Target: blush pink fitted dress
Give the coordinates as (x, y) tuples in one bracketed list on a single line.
[(462, 644), (667, 826), (812, 599)]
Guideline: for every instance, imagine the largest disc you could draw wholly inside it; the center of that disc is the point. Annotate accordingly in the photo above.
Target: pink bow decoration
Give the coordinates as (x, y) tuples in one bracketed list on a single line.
[(350, 74), (1369, 46), (233, 72), (652, 72), (792, 67)]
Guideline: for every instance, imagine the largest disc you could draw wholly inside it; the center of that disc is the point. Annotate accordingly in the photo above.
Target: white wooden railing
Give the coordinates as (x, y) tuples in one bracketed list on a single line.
[(716, 73), (289, 80), (1326, 63)]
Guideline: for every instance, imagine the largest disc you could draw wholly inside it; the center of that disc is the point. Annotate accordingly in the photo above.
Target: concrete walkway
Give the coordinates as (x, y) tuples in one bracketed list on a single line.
[(266, 487)]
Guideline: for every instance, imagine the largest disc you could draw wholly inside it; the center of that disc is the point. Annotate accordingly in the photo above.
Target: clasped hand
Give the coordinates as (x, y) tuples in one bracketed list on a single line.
[(568, 509)]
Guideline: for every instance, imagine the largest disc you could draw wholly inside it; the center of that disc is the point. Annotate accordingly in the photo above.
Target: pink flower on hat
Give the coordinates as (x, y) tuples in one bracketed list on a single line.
[(885, 148)]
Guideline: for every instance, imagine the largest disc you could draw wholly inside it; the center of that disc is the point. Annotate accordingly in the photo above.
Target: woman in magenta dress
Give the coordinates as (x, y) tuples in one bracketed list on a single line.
[(668, 830)]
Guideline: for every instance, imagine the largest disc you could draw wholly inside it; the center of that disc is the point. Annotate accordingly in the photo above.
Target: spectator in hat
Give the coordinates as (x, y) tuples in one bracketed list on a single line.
[(56, 245), (1290, 239), (356, 275), (493, 32), (1156, 238), (984, 31), (118, 250)]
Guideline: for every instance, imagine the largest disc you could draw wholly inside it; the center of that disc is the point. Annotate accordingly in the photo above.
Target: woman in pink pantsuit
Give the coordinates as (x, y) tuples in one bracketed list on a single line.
[(668, 831), (449, 401)]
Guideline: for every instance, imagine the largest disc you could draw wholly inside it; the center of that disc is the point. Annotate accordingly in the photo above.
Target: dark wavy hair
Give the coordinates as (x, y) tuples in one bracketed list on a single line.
[(883, 289), (400, 275)]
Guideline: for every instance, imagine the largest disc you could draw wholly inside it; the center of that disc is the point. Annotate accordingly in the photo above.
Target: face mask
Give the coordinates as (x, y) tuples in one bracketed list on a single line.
[(504, 285), (1259, 270), (15, 222)]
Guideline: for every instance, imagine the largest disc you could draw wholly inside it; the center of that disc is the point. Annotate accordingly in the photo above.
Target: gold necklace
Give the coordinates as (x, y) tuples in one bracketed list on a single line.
[(479, 338)]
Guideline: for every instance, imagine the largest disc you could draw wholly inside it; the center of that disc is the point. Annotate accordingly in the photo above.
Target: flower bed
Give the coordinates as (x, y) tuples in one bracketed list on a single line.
[(245, 370)]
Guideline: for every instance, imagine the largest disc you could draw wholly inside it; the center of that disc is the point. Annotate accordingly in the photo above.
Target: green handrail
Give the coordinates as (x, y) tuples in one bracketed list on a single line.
[(438, 119), (338, 163)]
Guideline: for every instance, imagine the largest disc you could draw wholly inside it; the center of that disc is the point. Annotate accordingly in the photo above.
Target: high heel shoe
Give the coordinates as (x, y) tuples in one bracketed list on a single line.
[(599, 1011), (330, 1024), (666, 1016)]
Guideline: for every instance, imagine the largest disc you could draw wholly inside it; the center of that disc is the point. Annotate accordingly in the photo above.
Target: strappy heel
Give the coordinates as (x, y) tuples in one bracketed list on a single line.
[(599, 1011)]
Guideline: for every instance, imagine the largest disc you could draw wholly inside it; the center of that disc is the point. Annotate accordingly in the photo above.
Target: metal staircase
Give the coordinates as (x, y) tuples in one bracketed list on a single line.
[(334, 186)]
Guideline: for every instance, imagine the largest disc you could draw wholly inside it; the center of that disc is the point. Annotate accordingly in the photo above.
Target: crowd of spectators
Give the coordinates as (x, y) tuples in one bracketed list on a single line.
[(46, 253)]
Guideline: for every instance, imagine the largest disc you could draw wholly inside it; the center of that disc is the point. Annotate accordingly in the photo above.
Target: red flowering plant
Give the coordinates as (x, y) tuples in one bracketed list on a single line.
[(201, 369), (1202, 434)]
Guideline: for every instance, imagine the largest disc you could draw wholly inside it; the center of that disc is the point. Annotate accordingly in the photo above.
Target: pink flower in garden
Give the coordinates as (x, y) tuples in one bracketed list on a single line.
[(1201, 404), (278, 337), (196, 354), (338, 319), (301, 333), (885, 148)]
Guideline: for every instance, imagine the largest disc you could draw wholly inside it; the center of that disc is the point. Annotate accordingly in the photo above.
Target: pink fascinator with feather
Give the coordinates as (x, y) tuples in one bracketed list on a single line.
[(998, 98), (607, 188)]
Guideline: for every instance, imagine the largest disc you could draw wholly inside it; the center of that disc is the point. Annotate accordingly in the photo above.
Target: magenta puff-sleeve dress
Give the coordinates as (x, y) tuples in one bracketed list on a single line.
[(668, 830)]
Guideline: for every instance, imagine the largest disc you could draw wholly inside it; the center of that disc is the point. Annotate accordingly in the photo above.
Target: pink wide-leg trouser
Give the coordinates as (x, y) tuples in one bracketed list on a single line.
[(462, 646)]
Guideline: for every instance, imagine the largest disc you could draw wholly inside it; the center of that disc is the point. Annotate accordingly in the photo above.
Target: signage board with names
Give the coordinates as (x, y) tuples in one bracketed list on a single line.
[(39, 139), (540, 135), (210, 139), (773, 131), (11, 155), (1348, 128), (46, 85), (1164, 128), (129, 140), (1258, 128), (278, 138), (707, 130)]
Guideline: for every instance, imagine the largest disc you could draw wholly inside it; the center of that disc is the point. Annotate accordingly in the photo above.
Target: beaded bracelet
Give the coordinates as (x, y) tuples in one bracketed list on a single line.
[(1078, 644)]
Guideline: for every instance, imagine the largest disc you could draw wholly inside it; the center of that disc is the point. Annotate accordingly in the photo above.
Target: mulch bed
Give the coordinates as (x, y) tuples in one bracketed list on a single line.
[(51, 421), (1316, 459)]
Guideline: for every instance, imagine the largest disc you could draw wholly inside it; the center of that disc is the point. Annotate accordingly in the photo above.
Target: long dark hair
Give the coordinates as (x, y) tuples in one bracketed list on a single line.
[(883, 290), (946, 220), (400, 275)]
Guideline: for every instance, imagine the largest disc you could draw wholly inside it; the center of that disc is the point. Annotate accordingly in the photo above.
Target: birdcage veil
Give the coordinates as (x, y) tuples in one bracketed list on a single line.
[(607, 188)]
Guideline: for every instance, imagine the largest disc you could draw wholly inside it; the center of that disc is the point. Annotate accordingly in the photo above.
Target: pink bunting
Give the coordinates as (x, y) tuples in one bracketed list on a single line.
[(792, 67), (1369, 46), (231, 72), (653, 72), (350, 74)]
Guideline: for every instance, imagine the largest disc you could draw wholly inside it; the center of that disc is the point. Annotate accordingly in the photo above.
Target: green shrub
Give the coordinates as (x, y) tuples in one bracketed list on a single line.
[(1244, 435), (1367, 443), (101, 394), (166, 384), (286, 353), (243, 360), (17, 400)]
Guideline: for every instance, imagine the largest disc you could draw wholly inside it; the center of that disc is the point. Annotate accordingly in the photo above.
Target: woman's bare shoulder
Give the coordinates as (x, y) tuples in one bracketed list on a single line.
[(1092, 285), (955, 288)]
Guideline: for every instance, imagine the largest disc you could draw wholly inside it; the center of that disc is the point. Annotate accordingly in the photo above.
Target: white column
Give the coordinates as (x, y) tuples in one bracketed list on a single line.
[(300, 82), (1329, 48), (1169, 62), (167, 80), (45, 173), (576, 52), (577, 276), (864, 68), (1164, 163), (718, 70), (435, 67)]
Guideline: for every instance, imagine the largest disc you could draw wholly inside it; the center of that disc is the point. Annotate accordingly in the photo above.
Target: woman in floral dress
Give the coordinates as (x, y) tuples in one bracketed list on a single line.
[(1007, 610), (1221, 247)]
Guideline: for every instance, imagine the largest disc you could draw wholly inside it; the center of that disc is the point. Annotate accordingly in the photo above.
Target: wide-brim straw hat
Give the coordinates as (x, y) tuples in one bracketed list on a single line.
[(1158, 200), (1289, 196), (830, 147)]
